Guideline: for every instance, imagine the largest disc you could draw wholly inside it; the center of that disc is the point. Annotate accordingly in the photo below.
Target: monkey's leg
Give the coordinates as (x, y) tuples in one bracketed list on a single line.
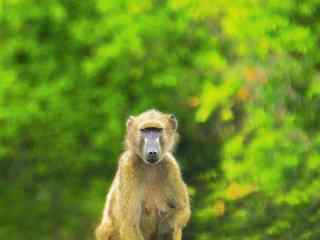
[(165, 229), (164, 233), (165, 236)]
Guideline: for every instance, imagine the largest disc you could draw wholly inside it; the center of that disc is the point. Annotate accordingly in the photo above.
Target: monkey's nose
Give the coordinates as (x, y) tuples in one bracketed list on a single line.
[(152, 156), (152, 153)]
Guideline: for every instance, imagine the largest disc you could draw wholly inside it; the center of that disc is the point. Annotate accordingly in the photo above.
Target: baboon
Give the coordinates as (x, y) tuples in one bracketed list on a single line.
[(148, 199)]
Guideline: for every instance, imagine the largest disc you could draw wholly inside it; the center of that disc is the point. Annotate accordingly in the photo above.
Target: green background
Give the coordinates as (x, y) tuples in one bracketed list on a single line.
[(241, 76)]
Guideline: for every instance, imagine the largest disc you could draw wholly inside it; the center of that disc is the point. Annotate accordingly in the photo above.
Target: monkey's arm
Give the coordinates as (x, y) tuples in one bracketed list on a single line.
[(183, 211), (129, 202), (180, 198), (105, 230)]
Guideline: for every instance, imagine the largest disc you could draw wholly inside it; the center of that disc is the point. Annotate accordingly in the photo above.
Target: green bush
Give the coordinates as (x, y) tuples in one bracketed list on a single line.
[(241, 76)]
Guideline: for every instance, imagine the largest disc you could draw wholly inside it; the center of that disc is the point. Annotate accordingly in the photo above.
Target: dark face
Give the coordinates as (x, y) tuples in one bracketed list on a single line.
[(151, 144)]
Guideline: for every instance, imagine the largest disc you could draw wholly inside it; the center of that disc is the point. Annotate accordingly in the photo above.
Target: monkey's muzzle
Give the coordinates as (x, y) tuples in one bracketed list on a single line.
[(152, 157)]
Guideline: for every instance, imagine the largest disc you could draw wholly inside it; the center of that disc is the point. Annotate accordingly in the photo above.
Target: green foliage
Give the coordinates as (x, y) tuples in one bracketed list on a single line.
[(242, 77), (267, 185)]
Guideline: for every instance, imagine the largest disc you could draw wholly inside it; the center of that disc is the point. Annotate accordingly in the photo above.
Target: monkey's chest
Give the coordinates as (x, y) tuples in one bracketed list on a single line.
[(154, 210)]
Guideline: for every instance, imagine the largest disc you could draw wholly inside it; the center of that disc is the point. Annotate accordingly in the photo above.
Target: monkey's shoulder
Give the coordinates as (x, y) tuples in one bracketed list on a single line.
[(126, 161)]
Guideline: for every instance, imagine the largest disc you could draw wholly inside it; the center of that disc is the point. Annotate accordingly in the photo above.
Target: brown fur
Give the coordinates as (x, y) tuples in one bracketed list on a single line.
[(146, 202)]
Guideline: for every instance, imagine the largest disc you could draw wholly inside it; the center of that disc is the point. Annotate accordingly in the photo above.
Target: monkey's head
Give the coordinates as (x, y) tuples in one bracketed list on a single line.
[(151, 135)]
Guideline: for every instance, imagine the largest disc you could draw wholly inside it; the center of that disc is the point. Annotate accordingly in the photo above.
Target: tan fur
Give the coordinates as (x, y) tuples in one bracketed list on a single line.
[(146, 202)]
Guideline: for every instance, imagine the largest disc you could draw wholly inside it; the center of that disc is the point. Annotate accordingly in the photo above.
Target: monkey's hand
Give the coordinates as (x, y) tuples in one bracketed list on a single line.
[(172, 222), (182, 216)]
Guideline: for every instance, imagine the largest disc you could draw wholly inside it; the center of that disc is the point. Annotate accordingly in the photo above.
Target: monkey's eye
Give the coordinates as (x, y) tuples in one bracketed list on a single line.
[(151, 129)]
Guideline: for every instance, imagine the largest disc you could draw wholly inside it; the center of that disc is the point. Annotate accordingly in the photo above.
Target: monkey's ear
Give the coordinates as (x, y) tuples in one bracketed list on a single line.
[(130, 121), (173, 121)]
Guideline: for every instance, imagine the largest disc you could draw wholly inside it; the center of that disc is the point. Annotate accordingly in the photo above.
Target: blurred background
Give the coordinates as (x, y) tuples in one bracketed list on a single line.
[(241, 76)]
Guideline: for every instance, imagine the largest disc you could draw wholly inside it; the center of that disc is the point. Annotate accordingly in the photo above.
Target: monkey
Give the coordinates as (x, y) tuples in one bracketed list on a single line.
[(148, 199)]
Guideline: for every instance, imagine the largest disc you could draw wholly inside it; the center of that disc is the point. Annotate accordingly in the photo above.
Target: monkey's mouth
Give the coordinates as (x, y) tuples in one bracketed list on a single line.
[(152, 159)]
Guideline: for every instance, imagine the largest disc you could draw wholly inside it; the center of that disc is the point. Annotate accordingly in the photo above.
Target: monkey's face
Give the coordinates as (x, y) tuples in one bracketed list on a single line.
[(151, 139), (151, 135)]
